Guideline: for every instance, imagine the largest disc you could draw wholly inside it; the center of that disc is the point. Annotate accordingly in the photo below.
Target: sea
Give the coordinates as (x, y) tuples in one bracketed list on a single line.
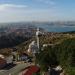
[(56, 28)]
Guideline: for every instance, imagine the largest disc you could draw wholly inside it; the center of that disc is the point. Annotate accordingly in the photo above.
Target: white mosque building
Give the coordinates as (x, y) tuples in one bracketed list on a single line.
[(33, 48), (34, 45)]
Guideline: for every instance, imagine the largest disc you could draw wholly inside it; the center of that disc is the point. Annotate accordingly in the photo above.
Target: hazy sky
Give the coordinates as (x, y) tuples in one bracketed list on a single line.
[(36, 10)]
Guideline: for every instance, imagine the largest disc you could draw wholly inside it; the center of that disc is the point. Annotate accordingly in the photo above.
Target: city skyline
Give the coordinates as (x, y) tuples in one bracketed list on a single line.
[(37, 10)]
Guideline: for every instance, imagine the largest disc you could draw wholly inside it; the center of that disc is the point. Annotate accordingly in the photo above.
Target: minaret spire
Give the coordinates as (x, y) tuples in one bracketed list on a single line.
[(37, 36)]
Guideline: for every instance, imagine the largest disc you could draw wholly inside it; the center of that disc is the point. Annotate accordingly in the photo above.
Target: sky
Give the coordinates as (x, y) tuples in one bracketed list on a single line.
[(37, 10)]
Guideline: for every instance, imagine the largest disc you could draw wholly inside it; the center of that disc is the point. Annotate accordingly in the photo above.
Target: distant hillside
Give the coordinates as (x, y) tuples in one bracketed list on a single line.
[(11, 40), (70, 32), (14, 34)]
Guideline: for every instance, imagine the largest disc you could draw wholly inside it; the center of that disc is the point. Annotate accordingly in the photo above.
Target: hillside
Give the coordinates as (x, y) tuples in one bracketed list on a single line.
[(61, 54), (12, 40)]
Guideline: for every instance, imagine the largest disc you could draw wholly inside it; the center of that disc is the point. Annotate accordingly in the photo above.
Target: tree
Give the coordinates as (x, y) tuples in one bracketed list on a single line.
[(47, 58)]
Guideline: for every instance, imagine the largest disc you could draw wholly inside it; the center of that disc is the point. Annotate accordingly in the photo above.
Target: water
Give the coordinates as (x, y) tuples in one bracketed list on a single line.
[(50, 28)]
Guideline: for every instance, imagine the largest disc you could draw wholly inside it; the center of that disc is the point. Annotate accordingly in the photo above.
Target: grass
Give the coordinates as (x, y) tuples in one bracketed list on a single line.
[(71, 70)]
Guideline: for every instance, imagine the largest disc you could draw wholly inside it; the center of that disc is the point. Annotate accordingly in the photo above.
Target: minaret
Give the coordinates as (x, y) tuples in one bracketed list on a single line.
[(37, 36)]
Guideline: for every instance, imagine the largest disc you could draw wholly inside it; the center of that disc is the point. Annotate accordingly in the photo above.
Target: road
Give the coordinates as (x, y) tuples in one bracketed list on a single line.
[(15, 70)]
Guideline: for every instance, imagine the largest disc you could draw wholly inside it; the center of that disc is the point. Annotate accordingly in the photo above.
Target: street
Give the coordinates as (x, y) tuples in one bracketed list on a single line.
[(15, 70)]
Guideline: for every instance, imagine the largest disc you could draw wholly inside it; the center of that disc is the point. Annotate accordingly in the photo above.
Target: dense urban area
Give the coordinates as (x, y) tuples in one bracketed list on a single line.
[(25, 48)]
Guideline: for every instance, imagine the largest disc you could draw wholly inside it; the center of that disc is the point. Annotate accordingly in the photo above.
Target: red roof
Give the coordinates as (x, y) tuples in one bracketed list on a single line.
[(31, 70), (2, 61)]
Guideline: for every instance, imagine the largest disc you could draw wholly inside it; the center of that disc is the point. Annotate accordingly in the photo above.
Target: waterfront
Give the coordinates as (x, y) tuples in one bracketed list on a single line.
[(56, 28)]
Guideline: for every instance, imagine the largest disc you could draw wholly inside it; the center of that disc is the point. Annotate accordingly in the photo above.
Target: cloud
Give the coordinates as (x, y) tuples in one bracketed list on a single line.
[(11, 6), (51, 2)]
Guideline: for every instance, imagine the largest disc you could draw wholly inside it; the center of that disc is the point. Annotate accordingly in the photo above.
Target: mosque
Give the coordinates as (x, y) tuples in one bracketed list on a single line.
[(34, 45)]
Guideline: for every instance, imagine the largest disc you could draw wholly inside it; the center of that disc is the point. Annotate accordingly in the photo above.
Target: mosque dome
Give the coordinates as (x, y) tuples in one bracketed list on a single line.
[(33, 47)]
